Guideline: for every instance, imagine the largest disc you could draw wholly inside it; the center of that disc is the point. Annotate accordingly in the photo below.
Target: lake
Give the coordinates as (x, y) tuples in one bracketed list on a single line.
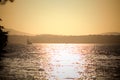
[(61, 62)]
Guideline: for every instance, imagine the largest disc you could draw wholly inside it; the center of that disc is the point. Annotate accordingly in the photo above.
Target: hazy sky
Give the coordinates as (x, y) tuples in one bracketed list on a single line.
[(66, 17)]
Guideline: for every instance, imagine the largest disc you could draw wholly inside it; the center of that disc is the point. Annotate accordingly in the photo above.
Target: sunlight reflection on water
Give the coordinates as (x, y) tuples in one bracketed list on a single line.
[(66, 61), (61, 62)]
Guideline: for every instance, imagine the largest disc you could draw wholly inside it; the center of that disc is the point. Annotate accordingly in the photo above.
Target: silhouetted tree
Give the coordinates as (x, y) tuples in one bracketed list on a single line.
[(4, 1), (3, 33), (3, 38)]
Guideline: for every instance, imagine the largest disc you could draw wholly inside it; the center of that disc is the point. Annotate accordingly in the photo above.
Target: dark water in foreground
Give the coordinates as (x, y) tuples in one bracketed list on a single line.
[(61, 62)]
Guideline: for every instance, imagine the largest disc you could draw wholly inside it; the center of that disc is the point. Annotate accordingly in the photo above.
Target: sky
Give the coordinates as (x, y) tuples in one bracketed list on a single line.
[(62, 17)]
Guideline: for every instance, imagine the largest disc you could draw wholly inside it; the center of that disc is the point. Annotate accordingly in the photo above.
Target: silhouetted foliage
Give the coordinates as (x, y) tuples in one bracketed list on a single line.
[(3, 34), (3, 37), (4, 1)]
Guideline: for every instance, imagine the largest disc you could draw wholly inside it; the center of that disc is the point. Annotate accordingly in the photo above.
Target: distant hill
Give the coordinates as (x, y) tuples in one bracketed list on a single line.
[(65, 39), (15, 32), (111, 33), (21, 37), (76, 39)]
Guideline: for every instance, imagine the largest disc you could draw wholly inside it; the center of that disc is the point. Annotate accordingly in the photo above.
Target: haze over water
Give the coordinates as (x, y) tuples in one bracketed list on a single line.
[(62, 62)]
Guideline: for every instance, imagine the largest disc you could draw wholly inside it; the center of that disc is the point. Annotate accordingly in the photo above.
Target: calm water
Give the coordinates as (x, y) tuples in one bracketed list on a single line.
[(61, 62)]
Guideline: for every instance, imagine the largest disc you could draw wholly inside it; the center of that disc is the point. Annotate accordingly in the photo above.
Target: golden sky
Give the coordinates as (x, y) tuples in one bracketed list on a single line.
[(65, 17)]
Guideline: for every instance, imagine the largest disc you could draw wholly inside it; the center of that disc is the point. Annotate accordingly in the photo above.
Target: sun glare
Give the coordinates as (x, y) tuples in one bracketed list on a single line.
[(65, 63)]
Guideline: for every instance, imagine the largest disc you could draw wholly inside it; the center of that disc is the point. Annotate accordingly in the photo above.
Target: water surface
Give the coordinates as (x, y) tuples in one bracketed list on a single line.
[(62, 62)]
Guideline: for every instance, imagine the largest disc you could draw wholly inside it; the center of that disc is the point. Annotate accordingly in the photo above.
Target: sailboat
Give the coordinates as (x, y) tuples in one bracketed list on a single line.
[(28, 42)]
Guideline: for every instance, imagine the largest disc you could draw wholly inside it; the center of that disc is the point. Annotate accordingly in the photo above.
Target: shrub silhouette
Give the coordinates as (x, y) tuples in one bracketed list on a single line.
[(3, 38)]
